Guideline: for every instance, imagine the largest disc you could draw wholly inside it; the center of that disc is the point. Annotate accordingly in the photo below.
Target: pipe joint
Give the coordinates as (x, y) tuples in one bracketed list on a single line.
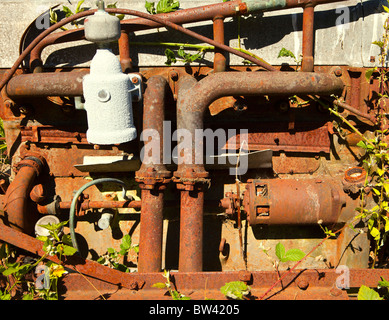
[(37, 162)]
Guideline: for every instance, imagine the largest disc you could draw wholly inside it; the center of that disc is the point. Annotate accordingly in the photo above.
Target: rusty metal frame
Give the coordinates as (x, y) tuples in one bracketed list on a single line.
[(193, 99)]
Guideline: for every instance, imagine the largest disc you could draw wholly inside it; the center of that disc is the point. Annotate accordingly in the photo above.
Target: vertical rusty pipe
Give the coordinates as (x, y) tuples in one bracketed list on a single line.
[(190, 179), (192, 101), (219, 62), (191, 231), (17, 196), (308, 38), (124, 52), (152, 177), (151, 231)]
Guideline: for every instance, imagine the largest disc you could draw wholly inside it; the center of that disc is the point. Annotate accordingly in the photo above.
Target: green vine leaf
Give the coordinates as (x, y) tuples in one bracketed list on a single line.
[(166, 6), (280, 251), (286, 53), (236, 290), (383, 283), (369, 73), (290, 255), (366, 293), (150, 7), (170, 57)]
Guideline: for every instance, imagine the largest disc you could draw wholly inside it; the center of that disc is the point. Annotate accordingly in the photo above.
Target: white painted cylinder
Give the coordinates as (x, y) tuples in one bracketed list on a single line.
[(108, 101)]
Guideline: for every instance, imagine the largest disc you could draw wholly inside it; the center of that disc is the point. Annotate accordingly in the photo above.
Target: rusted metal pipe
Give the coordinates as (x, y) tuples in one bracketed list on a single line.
[(124, 52), (191, 231), (192, 104), (46, 84), (202, 13), (86, 205), (307, 63), (193, 99), (16, 200), (152, 177), (294, 202), (219, 60)]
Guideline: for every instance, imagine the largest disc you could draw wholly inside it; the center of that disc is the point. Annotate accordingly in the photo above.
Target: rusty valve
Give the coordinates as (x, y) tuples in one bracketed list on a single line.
[(354, 179), (230, 203)]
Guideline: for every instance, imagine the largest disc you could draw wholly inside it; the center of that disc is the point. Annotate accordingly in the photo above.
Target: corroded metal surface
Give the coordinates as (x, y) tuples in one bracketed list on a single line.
[(309, 181)]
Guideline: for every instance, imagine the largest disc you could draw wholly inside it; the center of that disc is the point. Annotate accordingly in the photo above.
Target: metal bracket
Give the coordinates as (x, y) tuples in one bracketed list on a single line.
[(135, 91)]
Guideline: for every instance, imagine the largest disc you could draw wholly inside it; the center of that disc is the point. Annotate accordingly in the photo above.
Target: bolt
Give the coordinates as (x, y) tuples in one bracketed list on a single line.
[(303, 284), (134, 80), (283, 106), (9, 104), (338, 71), (372, 58), (173, 74), (223, 248), (335, 292), (245, 276)]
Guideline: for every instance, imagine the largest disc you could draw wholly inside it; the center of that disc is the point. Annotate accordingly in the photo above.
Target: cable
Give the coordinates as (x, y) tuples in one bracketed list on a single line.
[(75, 199), (8, 75)]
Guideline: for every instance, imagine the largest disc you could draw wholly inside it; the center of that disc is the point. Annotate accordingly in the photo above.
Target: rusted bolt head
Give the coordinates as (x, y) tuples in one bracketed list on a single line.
[(372, 58), (355, 174), (223, 247), (245, 276), (37, 193), (134, 80), (335, 292), (283, 106), (303, 284), (173, 74), (338, 71)]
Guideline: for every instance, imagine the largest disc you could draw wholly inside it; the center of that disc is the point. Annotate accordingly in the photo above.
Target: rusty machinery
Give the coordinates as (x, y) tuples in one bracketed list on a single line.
[(187, 216)]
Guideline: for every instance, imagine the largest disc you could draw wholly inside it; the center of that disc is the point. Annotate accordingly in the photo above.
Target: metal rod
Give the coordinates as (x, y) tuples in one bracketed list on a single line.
[(124, 52), (219, 60), (152, 177), (307, 64), (191, 231)]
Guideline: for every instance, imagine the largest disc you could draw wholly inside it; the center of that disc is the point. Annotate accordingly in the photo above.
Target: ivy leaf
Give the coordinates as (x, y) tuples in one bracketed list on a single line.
[(79, 4), (235, 290), (380, 172), (386, 8), (159, 285), (378, 43), (376, 191), (126, 244), (113, 6), (3, 251), (366, 293), (165, 6), (280, 251), (383, 283), (170, 56), (67, 11), (150, 7), (369, 73), (286, 53), (362, 144), (68, 250), (293, 255)]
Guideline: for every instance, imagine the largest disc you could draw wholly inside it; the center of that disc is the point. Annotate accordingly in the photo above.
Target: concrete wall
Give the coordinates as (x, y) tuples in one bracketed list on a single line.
[(336, 43)]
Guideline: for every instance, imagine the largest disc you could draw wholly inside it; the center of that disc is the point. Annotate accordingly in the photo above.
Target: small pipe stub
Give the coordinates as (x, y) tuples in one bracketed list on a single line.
[(354, 179)]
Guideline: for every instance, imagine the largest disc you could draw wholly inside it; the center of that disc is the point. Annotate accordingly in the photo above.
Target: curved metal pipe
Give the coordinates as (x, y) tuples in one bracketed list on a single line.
[(16, 200), (192, 102), (152, 176)]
